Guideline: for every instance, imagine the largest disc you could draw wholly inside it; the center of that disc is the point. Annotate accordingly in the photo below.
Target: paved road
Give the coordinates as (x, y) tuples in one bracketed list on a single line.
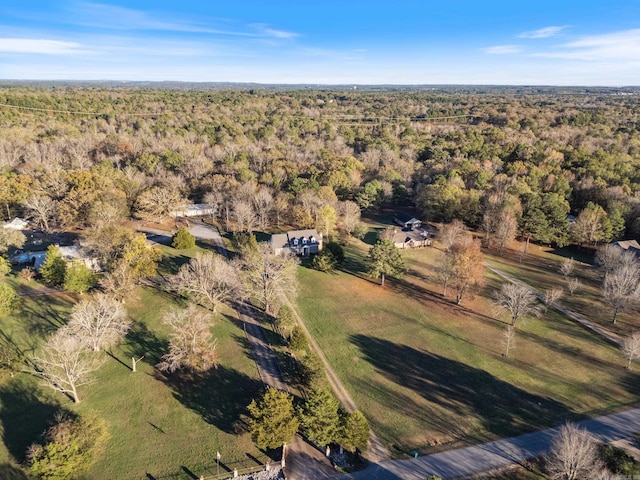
[(480, 458)]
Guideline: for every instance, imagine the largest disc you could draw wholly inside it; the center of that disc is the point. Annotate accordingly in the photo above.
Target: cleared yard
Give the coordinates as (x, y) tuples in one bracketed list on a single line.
[(163, 427), (426, 372)]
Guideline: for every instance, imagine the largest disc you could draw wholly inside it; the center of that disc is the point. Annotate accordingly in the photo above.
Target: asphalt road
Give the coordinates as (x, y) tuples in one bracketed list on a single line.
[(467, 461)]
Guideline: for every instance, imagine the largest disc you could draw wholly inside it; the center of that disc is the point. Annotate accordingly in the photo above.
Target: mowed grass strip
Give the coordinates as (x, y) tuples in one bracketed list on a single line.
[(426, 372)]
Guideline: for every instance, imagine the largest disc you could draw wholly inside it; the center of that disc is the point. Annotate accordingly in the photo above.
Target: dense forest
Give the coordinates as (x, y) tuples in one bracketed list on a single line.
[(552, 167)]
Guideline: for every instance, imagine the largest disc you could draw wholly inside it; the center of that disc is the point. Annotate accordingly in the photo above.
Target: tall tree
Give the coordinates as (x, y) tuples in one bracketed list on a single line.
[(385, 259), (209, 279), (99, 322), (354, 431), (11, 238), (467, 267), (42, 209), (53, 267), (272, 419), (64, 364), (78, 277), (621, 287), (268, 276), (574, 454), (631, 347), (517, 300), (191, 344), (319, 417)]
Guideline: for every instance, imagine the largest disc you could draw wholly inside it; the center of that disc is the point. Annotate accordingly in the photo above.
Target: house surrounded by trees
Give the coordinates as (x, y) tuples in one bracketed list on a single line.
[(298, 242)]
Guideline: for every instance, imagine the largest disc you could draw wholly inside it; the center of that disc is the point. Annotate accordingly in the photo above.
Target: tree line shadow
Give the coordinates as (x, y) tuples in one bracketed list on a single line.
[(502, 408), (219, 395)]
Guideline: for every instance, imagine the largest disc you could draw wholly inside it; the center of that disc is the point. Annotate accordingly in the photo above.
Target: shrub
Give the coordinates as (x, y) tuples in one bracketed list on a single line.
[(324, 262), (335, 249), (78, 278), (27, 273), (68, 448), (285, 321), (183, 239), (5, 267), (54, 267), (298, 340)]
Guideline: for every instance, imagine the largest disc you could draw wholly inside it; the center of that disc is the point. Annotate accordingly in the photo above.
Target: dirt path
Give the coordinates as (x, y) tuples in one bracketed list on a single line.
[(609, 336), (376, 451)]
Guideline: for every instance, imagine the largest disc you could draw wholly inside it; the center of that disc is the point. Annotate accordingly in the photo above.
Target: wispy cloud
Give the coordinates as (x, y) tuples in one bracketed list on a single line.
[(39, 46), (622, 45), (267, 31), (503, 49), (545, 32)]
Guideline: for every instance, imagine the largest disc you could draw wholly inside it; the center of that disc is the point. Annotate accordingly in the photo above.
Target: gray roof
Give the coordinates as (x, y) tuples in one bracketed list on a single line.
[(281, 240), (405, 218), (403, 236)]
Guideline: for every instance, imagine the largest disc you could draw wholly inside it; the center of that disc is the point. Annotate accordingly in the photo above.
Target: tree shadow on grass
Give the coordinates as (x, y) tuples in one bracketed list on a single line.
[(24, 416), (143, 342), (12, 472), (219, 396), (502, 408), (43, 315)]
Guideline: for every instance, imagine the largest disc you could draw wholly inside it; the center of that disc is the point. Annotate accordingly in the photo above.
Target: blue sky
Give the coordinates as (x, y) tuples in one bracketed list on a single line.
[(325, 41)]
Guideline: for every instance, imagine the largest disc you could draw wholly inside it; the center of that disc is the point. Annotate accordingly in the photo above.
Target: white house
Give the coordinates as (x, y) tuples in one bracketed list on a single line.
[(194, 210), (16, 224)]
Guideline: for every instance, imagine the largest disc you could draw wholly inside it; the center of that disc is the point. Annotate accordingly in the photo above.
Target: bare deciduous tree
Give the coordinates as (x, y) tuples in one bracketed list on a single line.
[(621, 287), (244, 215), (120, 282), (281, 205), (567, 267), (190, 342), (42, 209), (444, 272), (631, 347), (574, 454), (517, 300), (551, 296), (573, 284), (350, 212), (269, 275), (209, 279), (452, 233), (64, 364), (508, 339), (610, 257), (99, 322), (263, 203)]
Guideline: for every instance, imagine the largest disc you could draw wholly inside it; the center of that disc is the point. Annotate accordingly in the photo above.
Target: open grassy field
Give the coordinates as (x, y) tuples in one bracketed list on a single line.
[(426, 372), (160, 427), (540, 269)]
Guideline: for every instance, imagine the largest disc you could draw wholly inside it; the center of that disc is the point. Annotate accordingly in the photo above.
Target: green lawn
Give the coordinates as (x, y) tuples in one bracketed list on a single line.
[(426, 372), (164, 427), (540, 269)]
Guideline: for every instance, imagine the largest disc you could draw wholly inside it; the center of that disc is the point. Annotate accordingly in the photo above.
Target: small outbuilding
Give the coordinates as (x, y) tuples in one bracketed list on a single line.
[(407, 221), (16, 224), (194, 210), (629, 246)]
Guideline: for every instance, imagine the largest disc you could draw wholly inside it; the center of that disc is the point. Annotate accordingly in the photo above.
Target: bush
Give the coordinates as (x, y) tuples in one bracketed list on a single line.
[(285, 321), (78, 278), (183, 239), (5, 267), (335, 249), (619, 461), (298, 340), (27, 273), (54, 266), (324, 262), (360, 231), (68, 448)]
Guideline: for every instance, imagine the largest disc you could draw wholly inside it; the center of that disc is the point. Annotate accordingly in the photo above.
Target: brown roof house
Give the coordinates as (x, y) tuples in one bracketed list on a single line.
[(298, 242), (410, 238), (629, 246)]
